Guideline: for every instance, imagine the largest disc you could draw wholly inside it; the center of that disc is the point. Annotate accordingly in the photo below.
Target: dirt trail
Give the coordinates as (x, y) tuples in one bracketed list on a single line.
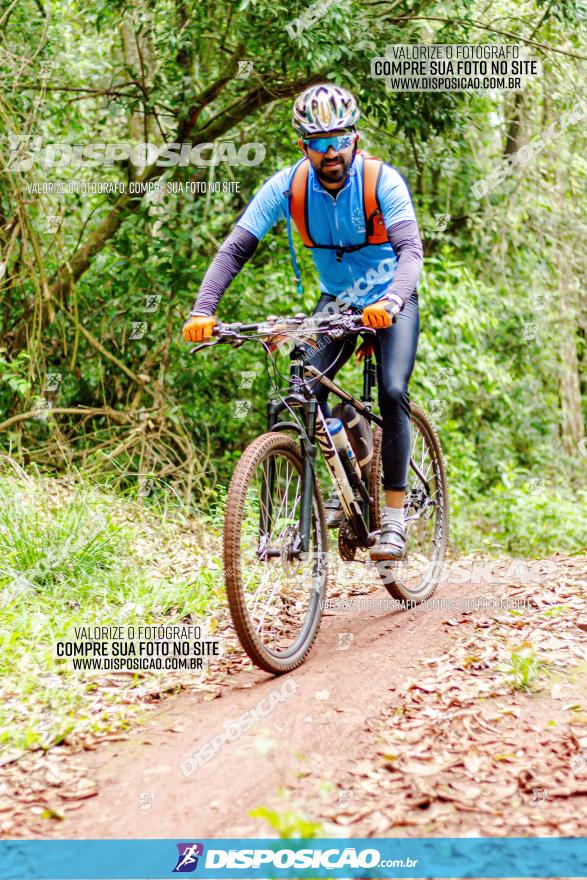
[(337, 690), (348, 696)]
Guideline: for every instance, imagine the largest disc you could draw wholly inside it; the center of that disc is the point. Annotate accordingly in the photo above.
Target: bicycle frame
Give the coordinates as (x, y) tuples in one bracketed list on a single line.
[(315, 436)]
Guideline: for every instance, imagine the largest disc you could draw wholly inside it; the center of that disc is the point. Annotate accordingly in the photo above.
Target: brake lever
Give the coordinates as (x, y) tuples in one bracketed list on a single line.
[(349, 325), (201, 346)]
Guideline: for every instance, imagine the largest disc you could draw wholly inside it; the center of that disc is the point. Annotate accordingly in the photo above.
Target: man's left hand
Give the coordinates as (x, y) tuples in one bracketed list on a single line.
[(379, 315)]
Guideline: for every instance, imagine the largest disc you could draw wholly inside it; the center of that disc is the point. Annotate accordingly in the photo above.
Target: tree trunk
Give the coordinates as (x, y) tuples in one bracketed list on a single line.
[(572, 429), (136, 122), (514, 130)]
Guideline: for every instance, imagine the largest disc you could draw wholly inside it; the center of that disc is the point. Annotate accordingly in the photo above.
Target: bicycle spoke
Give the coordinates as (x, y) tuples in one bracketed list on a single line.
[(278, 585), (424, 512)]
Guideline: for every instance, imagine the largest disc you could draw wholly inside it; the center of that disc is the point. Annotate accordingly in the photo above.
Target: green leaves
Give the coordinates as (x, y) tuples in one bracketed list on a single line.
[(14, 374), (484, 267)]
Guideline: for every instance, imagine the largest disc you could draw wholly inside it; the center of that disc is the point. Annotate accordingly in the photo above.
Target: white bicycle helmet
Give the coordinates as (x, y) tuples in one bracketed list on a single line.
[(324, 108)]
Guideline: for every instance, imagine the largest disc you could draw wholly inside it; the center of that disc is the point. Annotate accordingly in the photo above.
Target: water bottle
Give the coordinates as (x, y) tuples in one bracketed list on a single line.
[(359, 433), (341, 441)]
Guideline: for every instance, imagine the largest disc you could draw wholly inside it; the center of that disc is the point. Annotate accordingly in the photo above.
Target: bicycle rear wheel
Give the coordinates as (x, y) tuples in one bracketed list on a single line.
[(426, 514), (274, 590)]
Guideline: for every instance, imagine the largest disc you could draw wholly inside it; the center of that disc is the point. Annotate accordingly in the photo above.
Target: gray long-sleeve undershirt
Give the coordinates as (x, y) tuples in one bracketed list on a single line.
[(235, 250), (240, 245), (405, 240)]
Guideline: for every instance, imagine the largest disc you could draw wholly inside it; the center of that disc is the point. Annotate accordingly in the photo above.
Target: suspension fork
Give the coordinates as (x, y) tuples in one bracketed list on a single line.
[(308, 474), (274, 407), (309, 449), (308, 444), (369, 379)]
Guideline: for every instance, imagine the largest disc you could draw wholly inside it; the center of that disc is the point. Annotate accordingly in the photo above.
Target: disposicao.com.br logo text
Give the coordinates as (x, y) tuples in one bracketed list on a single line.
[(330, 859)]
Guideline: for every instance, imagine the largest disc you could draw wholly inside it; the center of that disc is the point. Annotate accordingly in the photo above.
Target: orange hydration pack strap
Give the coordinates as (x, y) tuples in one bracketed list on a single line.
[(298, 202), (376, 233)]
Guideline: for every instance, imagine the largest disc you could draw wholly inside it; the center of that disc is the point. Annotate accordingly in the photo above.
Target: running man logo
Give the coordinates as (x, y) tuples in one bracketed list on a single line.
[(187, 860)]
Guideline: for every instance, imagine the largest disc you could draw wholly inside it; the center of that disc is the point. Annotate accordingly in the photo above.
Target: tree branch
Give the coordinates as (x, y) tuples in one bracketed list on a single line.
[(114, 414), (208, 95), (127, 204)]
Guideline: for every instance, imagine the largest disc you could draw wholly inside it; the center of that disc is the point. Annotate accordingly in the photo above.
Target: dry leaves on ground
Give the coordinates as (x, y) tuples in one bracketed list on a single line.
[(461, 751)]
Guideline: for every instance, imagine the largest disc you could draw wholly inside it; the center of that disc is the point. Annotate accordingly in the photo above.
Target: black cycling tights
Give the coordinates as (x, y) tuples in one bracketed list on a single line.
[(395, 353)]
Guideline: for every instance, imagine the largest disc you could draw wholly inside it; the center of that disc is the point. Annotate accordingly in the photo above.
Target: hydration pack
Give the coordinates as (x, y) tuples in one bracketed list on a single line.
[(375, 231)]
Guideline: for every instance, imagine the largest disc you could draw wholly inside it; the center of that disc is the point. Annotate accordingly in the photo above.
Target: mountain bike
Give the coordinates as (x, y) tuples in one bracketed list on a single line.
[(276, 558)]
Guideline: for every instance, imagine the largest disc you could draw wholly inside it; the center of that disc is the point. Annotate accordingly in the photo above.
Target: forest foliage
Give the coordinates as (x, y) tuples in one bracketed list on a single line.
[(94, 374)]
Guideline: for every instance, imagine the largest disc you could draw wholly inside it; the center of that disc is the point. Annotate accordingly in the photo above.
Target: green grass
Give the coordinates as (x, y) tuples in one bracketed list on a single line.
[(520, 522), (72, 555), (288, 824), (524, 670)]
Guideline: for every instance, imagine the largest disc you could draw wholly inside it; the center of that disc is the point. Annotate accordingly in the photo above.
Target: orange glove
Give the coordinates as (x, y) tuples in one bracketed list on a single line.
[(364, 350), (378, 315), (275, 341), (198, 328)]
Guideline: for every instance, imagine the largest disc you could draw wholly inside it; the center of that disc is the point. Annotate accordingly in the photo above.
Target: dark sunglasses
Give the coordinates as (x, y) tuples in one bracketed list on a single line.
[(322, 145)]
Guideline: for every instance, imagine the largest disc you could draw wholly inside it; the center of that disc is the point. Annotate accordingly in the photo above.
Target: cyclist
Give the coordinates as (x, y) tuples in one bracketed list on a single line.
[(357, 267)]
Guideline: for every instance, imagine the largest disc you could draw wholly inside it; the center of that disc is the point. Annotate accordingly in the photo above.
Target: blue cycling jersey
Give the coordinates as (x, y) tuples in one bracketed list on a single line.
[(360, 277)]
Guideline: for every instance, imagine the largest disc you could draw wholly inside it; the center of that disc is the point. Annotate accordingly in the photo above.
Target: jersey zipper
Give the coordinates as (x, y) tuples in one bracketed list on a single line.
[(339, 253)]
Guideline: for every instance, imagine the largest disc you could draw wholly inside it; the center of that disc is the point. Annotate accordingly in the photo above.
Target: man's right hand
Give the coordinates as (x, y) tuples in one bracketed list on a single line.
[(198, 328)]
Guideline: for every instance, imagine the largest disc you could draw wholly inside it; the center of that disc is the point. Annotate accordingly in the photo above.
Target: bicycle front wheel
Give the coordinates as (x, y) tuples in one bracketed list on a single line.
[(275, 590)]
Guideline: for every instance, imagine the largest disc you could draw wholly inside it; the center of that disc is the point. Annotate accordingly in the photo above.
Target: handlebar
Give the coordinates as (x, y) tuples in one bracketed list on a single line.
[(236, 334), (274, 324)]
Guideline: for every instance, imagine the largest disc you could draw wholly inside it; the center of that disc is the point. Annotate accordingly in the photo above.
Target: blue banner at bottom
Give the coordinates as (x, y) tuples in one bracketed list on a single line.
[(269, 858)]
